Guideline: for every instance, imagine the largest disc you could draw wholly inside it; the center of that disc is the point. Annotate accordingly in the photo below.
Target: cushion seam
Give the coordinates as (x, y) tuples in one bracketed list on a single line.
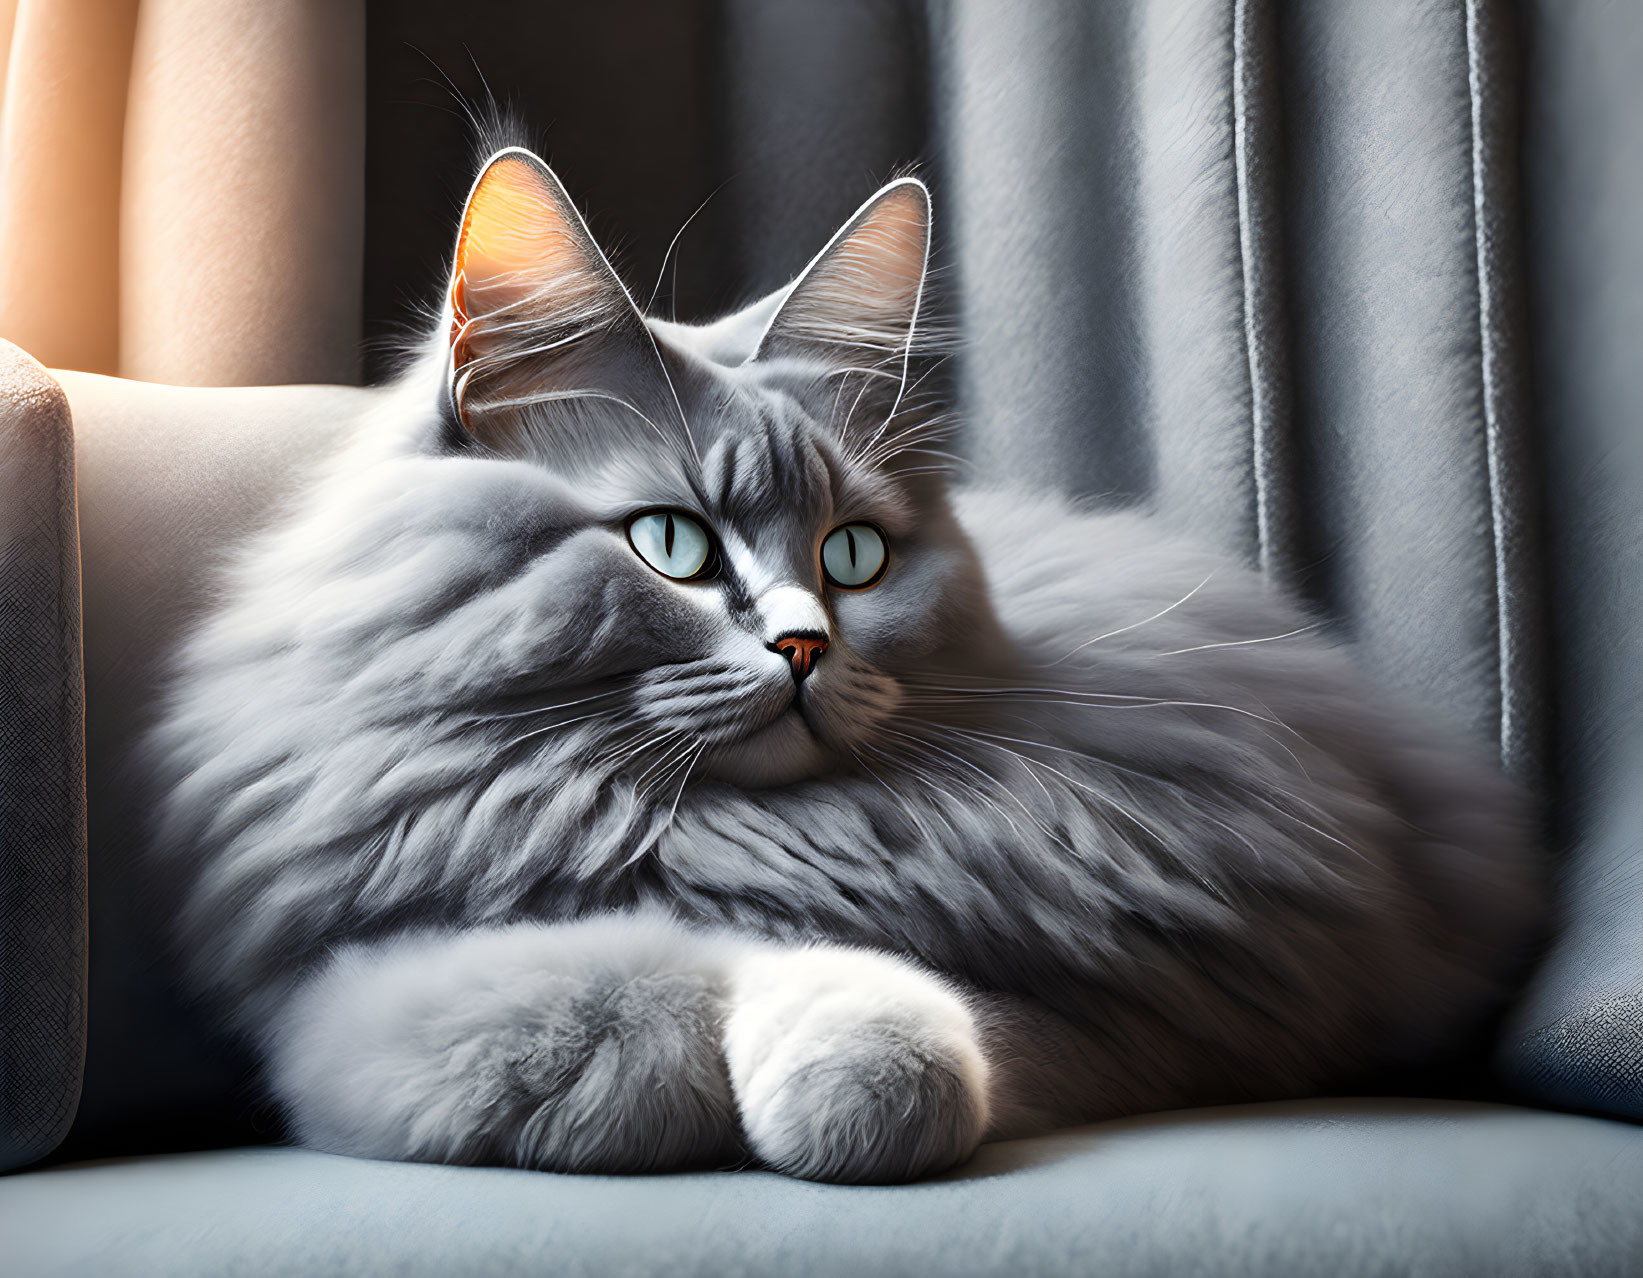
[(1513, 731)]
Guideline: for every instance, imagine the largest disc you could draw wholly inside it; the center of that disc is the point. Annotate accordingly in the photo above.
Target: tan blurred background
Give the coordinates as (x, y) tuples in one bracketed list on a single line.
[(232, 192), (149, 184)]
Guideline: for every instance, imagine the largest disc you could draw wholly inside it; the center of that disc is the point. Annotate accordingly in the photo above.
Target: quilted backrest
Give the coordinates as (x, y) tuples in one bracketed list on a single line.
[(1578, 1039), (1354, 290)]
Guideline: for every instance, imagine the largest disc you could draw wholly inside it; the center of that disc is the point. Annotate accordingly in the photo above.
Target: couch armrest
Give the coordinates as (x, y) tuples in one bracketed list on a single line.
[(42, 767)]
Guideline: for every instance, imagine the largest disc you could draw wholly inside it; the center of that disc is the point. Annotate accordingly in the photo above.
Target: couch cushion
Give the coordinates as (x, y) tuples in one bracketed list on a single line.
[(1345, 1188), (170, 480)]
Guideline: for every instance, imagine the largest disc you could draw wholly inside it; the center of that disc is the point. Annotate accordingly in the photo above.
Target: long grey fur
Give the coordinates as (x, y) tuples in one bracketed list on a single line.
[(499, 846)]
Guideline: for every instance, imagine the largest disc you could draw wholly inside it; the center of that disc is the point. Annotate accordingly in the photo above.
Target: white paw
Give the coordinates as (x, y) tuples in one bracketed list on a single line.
[(852, 1066)]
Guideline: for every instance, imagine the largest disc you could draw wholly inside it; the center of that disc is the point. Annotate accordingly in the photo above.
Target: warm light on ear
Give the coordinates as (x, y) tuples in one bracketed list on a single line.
[(882, 259), (524, 263), (521, 244), (517, 224)]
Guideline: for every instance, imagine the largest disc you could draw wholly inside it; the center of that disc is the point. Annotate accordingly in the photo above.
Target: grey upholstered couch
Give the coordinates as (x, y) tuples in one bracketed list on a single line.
[(1351, 287)]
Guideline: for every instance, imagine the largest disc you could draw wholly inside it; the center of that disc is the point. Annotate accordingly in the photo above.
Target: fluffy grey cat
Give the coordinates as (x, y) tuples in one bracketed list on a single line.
[(629, 755)]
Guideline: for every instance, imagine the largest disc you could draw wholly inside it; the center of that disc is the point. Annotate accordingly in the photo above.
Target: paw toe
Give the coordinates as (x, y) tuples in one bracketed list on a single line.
[(885, 1107)]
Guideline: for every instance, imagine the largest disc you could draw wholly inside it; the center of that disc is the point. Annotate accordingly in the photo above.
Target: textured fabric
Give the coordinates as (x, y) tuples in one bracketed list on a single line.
[(1579, 1037), (1591, 1056), (42, 768), (1240, 275), (1351, 1188)]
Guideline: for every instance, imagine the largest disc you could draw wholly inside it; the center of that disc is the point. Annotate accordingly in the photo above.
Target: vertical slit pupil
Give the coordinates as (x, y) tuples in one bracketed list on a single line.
[(850, 541), (667, 538)]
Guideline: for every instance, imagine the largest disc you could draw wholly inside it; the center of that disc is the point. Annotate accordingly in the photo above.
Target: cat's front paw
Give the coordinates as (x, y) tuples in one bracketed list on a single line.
[(578, 1047), (853, 1066)]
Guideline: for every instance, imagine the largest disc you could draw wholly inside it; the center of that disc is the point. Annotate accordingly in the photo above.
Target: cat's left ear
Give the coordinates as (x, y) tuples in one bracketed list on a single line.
[(857, 303)]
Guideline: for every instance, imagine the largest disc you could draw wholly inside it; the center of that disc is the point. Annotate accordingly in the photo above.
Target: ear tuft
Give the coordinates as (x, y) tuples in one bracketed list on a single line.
[(864, 289)]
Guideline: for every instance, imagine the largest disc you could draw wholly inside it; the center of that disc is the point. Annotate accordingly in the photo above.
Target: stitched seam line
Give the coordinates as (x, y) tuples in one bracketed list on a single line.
[(1490, 376), (1254, 125), (1258, 408)]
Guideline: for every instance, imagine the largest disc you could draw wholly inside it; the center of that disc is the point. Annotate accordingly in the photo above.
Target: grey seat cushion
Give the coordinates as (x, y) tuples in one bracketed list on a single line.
[(1344, 1187)]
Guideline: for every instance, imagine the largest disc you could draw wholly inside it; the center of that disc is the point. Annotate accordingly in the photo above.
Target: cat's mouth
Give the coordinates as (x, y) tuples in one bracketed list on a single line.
[(781, 750), (756, 727)]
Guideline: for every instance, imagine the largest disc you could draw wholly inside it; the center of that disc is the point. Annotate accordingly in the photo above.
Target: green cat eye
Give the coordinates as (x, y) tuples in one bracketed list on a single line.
[(673, 543), (854, 556)]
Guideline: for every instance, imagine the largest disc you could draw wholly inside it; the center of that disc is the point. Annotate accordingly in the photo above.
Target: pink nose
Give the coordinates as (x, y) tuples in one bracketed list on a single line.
[(802, 649)]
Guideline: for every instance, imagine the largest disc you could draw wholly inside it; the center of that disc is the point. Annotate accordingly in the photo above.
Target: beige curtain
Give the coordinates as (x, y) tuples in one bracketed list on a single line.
[(182, 187)]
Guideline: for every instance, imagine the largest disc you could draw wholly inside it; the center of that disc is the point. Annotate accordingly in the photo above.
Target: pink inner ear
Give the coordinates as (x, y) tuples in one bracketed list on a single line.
[(880, 265), (865, 288)]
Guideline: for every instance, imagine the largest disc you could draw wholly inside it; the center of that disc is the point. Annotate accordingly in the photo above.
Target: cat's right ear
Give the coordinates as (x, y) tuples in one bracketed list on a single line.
[(855, 311), (536, 313), (859, 299)]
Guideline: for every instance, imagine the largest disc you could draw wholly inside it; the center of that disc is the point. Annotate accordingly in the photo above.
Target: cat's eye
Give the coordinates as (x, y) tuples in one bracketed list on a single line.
[(854, 556), (673, 543)]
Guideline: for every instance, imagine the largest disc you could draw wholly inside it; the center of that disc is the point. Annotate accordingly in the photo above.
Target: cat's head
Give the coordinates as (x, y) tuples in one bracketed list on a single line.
[(756, 531)]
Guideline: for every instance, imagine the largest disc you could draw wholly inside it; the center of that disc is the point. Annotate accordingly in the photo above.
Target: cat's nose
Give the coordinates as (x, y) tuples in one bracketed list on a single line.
[(802, 648), (795, 625)]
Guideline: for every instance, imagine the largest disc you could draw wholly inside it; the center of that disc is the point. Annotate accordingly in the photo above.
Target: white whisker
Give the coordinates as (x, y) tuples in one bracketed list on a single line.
[(1240, 643), (1136, 625), (522, 714), (674, 243), (552, 727)]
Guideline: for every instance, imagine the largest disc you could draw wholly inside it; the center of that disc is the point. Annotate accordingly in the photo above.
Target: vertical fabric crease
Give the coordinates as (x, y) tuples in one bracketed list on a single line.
[(1501, 357), (1255, 139)]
